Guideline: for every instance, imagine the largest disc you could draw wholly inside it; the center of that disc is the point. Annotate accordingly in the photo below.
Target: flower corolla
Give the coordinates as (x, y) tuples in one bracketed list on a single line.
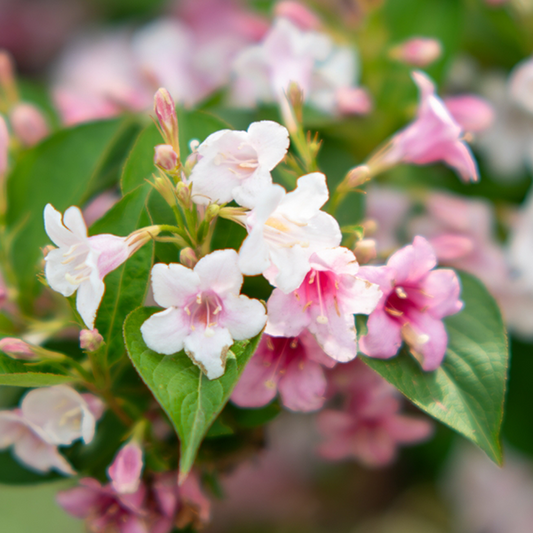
[(285, 229), (236, 165), (325, 303), (126, 469), (415, 300), (205, 312)]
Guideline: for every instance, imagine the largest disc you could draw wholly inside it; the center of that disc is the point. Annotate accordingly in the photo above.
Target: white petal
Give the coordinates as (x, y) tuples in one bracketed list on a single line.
[(219, 272), (164, 332), (271, 140), (361, 298), (73, 220), (58, 233), (209, 351), (212, 184), (243, 316), (251, 191), (55, 271), (254, 255), (292, 266), (305, 201), (11, 428), (174, 285), (90, 293)]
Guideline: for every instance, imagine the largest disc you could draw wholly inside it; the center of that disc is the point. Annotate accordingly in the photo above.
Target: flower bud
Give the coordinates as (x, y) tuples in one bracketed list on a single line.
[(90, 340), (166, 114), (356, 177), (417, 52), (188, 257), (28, 123), (365, 251), (353, 101), (184, 194), (212, 211), (165, 157), (192, 158), (17, 349), (7, 76), (165, 188), (299, 14), (4, 147), (125, 472)]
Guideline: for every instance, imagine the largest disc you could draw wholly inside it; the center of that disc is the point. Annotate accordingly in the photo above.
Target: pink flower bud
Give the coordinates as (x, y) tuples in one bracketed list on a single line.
[(4, 146), (28, 124), (90, 340), (298, 14), (417, 52), (166, 114), (17, 349), (99, 206), (188, 257), (165, 157), (125, 472), (7, 75), (354, 101), (472, 112), (365, 251)]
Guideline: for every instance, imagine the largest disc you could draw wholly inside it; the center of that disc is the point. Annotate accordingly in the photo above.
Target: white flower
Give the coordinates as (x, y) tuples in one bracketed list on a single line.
[(285, 229), (80, 263), (236, 165), (205, 312)]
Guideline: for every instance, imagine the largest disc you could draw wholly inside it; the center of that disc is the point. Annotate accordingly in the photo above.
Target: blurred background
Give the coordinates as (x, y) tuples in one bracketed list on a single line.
[(69, 52)]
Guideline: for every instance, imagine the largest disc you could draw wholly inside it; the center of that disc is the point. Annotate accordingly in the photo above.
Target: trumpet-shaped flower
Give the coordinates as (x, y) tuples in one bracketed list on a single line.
[(285, 229), (80, 262), (62, 415), (325, 303), (236, 165), (291, 365), (205, 312), (125, 471), (29, 446), (433, 136), (415, 300)]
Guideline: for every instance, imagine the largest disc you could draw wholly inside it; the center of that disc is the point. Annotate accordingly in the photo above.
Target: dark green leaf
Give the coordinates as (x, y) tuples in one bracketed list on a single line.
[(190, 400), (467, 391)]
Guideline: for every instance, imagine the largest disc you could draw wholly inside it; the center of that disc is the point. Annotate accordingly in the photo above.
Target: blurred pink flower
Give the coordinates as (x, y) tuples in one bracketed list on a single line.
[(472, 112), (298, 14), (99, 206), (433, 136), (418, 51), (126, 469), (28, 123), (415, 300), (290, 365), (17, 349), (370, 427)]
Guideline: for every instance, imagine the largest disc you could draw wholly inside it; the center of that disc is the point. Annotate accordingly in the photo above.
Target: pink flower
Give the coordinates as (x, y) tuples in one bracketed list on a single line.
[(415, 300), (353, 101), (297, 13), (325, 303), (472, 112), (370, 427), (433, 136), (80, 262), (290, 365), (205, 312), (418, 51), (285, 229), (237, 164), (99, 206), (126, 469), (28, 444), (29, 124)]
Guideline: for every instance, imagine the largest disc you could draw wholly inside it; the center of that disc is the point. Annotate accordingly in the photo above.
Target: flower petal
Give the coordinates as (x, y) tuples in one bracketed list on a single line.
[(286, 314), (220, 273), (55, 229), (90, 294), (165, 332), (73, 220), (56, 273), (271, 140), (443, 289), (244, 317), (383, 339), (174, 285), (413, 261)]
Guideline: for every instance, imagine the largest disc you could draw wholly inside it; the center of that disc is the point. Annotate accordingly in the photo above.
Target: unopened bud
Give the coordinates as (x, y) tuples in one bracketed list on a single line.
[(353, 101), (418, 52), (166, 114), (7, 76), (165, 157), (365, 251), (29, 124), (212, 211), (192, 158), (165, 188), (188, 257), (299, 14), (19, 349), (357, 176), (90, 340), (4, 147), (184, 194)]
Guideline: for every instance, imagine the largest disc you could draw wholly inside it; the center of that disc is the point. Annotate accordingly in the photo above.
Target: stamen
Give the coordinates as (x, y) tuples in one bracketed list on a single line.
[(393, 312), (307, 305), (321, 319), (400, 292)]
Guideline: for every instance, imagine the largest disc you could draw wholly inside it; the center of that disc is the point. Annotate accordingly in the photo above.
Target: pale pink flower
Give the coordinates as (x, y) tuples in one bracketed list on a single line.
[(205, 312), (28, 123), (291, 366), (236, 165), (298, 14), (415, 300), (80, 262), (433, 136), (521, 243), (126, 469), (473, 113), (521, 84), (4, 147), (370, 427), (353, 101), (285, 229), (61, 415), (28, 444), (418, 51), (99, 206), (325, 303)]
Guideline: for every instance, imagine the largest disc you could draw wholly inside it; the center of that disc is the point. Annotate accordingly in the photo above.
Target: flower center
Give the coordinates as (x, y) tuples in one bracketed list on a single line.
[(243, 163), (280, 353), (318, 286), (76, 257), (204, 312), (284, 233)]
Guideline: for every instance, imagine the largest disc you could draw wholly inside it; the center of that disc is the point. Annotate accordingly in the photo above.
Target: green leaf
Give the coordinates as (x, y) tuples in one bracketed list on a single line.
[(14, 473), (18, 374), (467, 391), (126, 287), (191, 401), (63, 171)]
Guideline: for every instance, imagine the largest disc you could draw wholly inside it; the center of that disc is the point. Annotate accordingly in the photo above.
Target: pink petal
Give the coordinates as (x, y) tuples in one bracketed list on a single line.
[(286, 314), (449, 247), (165, 332), (112, 250), (12, 428), (460, 158), (134, 524), (472, 112), (413, 261), (335, 426), (220, 273), (373, 446), (191, 493), (444, 290), (431, 348), (79, 501), (408, 429), (383, 339), (126, 469), (243, 317)]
